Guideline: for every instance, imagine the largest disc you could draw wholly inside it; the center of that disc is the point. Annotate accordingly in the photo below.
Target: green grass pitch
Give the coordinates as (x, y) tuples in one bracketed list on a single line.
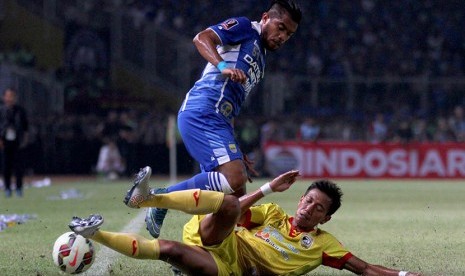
[(404, 224)]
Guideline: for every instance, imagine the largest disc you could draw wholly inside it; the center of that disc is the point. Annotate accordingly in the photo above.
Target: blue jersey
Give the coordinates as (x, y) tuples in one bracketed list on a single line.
[(241, 48)]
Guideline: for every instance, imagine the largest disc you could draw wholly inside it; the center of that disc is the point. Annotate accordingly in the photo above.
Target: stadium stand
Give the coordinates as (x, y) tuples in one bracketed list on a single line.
[(351, 60)]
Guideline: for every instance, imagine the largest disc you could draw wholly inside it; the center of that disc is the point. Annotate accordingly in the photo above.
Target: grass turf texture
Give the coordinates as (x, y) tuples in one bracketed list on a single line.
[(409, 225)]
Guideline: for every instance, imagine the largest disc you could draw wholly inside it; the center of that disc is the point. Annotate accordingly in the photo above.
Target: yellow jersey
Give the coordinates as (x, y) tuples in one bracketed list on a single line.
[(268, 244)]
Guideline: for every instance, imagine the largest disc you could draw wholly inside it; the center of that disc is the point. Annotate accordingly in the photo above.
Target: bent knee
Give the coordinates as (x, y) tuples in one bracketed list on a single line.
[(170, 250), (237, 183), (236, 178), (235, 174)]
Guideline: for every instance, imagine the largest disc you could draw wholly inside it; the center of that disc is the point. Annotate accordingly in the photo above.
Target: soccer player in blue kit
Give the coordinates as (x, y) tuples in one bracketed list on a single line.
[(235, 50)]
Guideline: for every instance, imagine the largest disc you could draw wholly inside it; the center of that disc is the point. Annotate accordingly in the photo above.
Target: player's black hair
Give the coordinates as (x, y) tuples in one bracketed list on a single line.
[(331, 190), (291, 7)]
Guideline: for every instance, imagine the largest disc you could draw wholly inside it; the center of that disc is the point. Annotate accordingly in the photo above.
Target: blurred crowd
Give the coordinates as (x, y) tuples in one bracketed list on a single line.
[(119, 142), (337, 39), (407, 54), (340, 38), (112, 145), (18, 55)]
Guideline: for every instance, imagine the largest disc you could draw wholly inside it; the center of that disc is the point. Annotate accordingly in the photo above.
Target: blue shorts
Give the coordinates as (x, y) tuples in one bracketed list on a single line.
[(208, 138)]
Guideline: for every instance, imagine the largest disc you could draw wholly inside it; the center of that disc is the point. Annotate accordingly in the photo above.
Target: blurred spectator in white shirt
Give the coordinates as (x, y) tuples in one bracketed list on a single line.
[(309, 130), (457, 123), (378, 129), (110, 163)]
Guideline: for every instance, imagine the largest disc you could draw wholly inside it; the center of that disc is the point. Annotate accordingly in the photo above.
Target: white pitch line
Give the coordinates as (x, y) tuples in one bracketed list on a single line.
[(106, 256)]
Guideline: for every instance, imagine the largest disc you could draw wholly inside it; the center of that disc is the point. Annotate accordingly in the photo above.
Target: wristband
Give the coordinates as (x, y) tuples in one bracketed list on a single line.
[(266, 189), (222, 65), (403, 273)]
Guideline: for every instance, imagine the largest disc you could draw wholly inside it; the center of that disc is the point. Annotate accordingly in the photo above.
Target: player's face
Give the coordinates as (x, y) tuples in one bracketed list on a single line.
[(276, 30), (312, 210)]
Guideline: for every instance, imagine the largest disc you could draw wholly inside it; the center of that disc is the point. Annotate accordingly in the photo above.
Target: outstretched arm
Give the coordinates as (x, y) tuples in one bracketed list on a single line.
[(279, 184), (361, 267)]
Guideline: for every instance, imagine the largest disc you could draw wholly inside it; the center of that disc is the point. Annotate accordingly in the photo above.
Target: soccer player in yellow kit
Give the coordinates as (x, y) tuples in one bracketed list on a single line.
[(271, 245), (267, 241)]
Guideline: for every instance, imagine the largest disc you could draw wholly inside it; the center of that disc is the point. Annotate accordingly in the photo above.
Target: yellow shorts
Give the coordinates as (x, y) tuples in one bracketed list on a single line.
[(224, 254)]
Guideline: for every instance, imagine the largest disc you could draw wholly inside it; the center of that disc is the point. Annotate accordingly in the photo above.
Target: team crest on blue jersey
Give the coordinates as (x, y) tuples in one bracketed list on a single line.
[(306, 241), (233, 148), (226, 109), (228, 24)]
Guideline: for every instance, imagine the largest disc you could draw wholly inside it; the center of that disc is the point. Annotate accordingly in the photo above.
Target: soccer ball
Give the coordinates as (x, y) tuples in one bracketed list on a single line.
[(73, 253)]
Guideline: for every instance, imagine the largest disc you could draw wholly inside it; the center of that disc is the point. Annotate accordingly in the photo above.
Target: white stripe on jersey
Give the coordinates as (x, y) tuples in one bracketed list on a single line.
[(256, 25), (230, 54), (185, 102), (226, 49), (221, 96)]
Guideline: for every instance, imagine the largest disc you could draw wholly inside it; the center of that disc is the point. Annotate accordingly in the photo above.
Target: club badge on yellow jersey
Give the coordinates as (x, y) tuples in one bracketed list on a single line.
[(306, 241)]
